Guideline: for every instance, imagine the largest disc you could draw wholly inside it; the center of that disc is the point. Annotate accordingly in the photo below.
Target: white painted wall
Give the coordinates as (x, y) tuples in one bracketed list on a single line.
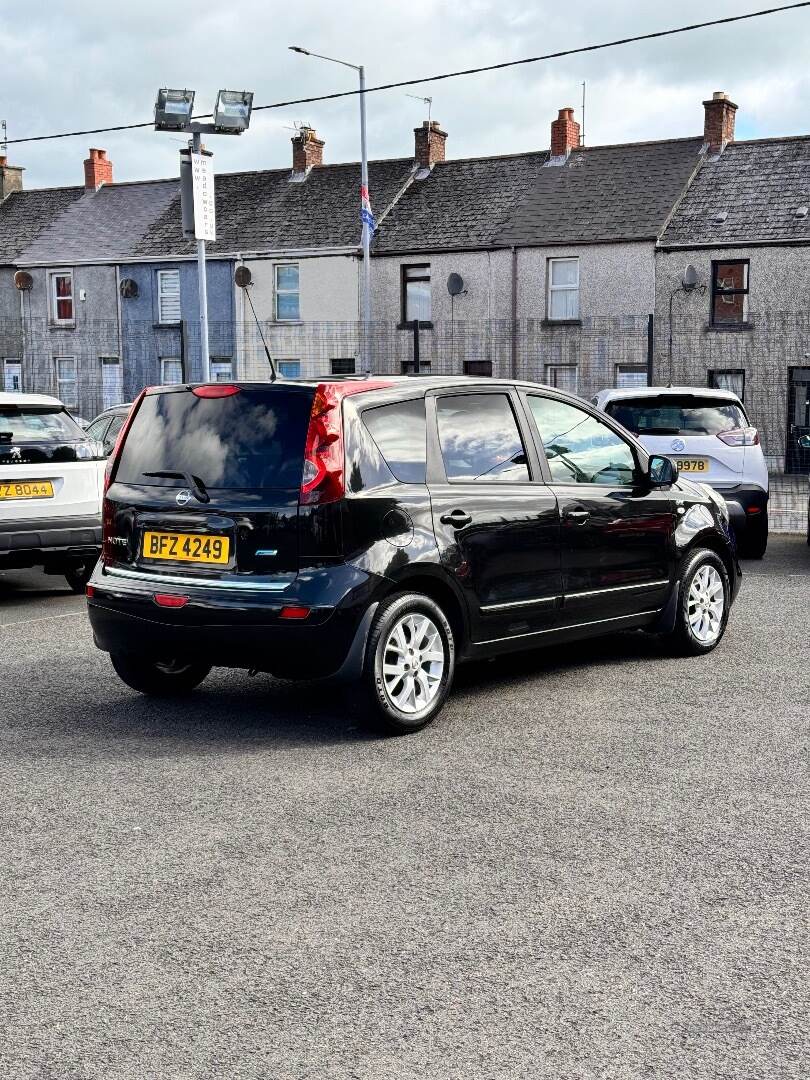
[(328, 284)]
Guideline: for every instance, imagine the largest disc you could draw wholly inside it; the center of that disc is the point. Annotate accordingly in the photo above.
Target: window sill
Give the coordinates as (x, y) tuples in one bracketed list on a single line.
[(729, 328), (424, 324), (167, 325), (548, 323), (287, 322), (53, 325)]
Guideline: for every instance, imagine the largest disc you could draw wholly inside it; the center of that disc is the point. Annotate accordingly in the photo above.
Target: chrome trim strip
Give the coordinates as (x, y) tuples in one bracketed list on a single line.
[(208, 583), (519, 603), (568, 626), (618, 588)]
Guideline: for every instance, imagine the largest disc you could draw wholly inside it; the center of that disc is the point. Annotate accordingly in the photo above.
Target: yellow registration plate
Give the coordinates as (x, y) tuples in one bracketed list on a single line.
[(26, 489), (186, 547), (692, 464)]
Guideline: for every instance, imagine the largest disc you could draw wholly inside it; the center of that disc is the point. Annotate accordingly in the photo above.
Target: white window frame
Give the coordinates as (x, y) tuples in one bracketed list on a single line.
[(552, 289), (163, 275), (164, 360), (112, 361), (416, 273), (221, 369), (70, 402), (10, 362), (53, 299), (288, 360), (630, 369), (286, 292), (550, 377)]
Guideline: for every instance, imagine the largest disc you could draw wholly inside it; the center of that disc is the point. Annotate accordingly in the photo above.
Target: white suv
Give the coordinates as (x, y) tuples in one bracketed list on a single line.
[(51, 480), (708, 435)]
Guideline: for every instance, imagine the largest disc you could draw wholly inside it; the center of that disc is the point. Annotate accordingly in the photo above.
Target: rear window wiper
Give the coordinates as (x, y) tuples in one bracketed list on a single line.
[(193, 482)]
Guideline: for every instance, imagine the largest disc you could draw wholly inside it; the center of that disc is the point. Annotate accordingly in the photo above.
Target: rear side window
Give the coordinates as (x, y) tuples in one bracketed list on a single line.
[(251, 439), (31, 423), (400, 432), (677, 415), (480, 439)]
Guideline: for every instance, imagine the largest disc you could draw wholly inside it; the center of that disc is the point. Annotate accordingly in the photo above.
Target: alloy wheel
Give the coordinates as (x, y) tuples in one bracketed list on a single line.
[(413, 663), (705, 604)]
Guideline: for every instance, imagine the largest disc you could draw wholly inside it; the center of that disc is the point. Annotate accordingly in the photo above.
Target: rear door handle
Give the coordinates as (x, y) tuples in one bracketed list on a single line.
[(457, 518), (578, 517)]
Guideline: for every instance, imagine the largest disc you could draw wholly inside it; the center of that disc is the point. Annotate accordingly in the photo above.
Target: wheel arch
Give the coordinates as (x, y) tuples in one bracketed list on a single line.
[(713, 543), (445, 595)]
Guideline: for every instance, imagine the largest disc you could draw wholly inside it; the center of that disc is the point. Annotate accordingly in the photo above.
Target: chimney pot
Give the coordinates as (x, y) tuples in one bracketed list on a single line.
[(307, 150), (429, 144), (718, 125), (564, 133), (98, 169)]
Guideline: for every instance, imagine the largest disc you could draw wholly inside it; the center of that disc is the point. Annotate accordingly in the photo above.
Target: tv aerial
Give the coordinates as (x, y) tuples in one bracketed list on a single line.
[(425, 100)]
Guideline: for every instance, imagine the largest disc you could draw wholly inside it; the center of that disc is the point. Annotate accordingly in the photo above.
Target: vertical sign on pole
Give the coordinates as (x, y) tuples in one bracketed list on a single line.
[(202, 186)]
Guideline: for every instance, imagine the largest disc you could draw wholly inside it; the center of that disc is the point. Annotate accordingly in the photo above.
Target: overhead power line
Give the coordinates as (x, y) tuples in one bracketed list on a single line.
[(449, 74)]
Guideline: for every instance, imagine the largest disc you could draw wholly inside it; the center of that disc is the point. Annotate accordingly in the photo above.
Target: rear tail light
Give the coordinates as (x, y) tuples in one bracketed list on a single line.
[(322, 477), (740, 436), (215, 390)]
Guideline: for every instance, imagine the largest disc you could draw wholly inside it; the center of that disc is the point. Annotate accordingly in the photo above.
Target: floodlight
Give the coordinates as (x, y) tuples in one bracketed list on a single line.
[(232, 111), (173, 109)]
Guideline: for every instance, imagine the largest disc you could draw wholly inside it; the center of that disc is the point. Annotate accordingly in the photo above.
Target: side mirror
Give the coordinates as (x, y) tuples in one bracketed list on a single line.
[(661, 471), (804, 442)]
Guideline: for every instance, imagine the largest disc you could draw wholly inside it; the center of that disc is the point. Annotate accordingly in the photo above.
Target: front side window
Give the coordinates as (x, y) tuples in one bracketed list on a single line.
[(729, 293), (480, 439), (563, 289), (416, 294), (562, 377), (12, 375), (171, 370), (729, 379), (168, 297), (61, 290), (289, 369), (66, 381), (400, 432), (221, 370), (579, 448), (112, 433), (288, 297)]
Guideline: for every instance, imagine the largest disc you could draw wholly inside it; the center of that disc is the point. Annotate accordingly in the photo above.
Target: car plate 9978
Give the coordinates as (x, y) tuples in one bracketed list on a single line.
[(185, 547)]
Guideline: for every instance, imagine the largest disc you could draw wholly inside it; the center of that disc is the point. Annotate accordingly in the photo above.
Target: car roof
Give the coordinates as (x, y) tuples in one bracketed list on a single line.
[(666, 391), (16, 398)]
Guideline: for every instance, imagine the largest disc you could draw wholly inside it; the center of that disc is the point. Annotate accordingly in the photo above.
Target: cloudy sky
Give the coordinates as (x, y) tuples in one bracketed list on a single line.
[(90, 63)]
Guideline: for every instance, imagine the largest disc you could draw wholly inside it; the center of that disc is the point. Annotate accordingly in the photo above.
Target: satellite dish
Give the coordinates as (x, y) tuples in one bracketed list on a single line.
[(129, 288), (455, 284), (243, 277), (23, 281), (690, 277)]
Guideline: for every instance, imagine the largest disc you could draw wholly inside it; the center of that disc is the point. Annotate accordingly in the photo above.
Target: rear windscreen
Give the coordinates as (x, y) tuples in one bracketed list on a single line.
[(251, 439), (37, 424), (677, 415)]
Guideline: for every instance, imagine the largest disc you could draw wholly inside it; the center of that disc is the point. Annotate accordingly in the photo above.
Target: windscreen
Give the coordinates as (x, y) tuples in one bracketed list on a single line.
[(37, 424), (251, 439), (677, 415)]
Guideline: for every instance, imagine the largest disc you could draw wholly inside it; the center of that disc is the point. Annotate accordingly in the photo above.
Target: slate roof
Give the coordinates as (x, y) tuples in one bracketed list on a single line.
[(758, 184), (101, 226), (604, 193), (24, 214)]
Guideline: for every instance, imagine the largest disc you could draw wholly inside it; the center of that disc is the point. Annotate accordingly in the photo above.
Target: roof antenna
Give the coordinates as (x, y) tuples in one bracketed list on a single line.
[(244, 279), (425, 100), (582, 134), (3, 138)]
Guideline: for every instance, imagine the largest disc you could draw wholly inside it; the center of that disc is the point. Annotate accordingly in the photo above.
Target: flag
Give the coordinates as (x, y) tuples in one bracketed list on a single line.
[(366, 216)]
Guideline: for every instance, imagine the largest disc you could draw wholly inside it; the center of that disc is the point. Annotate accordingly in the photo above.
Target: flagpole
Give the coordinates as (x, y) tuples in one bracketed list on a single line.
[(366, 219)]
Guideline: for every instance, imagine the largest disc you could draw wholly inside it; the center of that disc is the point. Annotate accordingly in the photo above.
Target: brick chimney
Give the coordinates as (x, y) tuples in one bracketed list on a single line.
[(564, 133), (10, 178), (718, 127), (98, 170), (429, 140), (307, 150)]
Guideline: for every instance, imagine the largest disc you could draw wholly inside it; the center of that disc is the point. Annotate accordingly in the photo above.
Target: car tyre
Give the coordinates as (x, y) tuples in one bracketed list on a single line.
[(79, 574), (703, 605), (409, 663), (159, 678), (754, 541)]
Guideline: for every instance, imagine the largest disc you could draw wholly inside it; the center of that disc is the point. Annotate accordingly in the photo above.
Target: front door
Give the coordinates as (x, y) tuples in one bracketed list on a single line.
[(797, 459), (496, 522), (616, 532)]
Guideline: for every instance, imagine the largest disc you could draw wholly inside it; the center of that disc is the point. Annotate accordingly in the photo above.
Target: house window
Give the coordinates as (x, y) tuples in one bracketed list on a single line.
[(562, 376), (732, 379), (12, 375), (410, 367), (61, 293), (630, 375), (343, 366), (112, 381), (221, 369), (67, 389), (563, 289), (168, 282), (288, 298), (171, 370), (729, 293), (289, 369), (416, 293), (478, 368)]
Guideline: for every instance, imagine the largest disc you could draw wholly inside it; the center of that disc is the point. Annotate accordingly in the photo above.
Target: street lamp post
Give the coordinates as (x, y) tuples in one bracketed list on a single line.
[(366, 216)]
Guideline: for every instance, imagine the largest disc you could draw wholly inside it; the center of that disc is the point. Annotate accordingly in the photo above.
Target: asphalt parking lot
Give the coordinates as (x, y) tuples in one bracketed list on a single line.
[(594, 865)]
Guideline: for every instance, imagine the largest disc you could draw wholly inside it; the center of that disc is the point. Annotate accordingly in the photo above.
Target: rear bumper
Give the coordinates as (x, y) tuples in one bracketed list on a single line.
[(240, 631), (747, 504), (34, 540)]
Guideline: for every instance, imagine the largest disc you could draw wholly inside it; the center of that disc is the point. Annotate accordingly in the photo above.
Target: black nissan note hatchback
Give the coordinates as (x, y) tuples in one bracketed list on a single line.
[(383, 530)]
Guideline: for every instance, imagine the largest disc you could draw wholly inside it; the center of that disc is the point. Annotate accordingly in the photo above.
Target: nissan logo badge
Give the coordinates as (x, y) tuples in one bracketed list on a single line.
[(182, 497)]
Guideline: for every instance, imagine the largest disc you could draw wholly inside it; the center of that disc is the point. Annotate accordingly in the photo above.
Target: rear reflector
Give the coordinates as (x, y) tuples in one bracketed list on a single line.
[(291, 611), (215, 390), (754, 510), (170, 600), (90, 591)]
